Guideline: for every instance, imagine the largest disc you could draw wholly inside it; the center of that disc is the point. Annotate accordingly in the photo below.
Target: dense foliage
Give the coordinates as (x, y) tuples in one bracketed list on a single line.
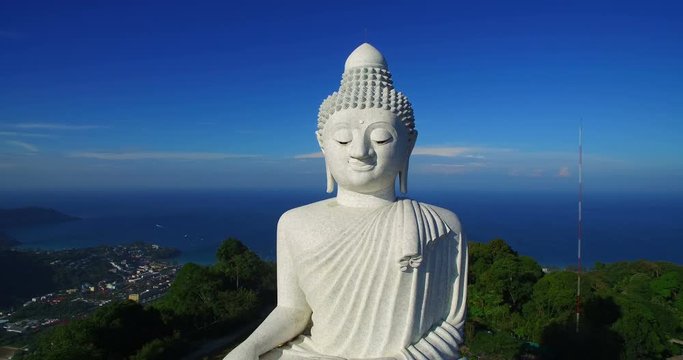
[(36, 277), (202, 299), (630, 310), (114, 332)]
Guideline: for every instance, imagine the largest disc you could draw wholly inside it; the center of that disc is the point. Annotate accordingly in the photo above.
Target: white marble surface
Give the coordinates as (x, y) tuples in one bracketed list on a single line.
[(365, 275)]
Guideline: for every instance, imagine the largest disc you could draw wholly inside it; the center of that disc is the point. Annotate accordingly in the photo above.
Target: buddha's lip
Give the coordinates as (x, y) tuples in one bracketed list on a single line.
[(358, 165)]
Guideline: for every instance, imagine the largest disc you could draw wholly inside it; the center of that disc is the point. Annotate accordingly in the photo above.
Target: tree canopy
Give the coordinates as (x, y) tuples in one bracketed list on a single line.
[(629, 310)]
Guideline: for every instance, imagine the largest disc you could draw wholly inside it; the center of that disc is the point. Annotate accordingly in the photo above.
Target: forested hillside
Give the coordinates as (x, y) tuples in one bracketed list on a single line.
[(629, 310)]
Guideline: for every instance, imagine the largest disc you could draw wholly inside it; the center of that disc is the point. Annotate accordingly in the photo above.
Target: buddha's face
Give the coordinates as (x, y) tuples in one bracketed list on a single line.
[(365, 149)]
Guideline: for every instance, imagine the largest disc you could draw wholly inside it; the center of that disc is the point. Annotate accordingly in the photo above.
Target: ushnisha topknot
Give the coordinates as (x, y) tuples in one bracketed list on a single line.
[(367, 83)]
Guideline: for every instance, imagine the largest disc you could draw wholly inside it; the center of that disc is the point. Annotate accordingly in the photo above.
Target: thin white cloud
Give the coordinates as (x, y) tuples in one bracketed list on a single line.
[(537, 173), (450, 169), (56, 126), (458, 151), (441, 151), (564, 172), (445, 168), (315, 155), (157, 155), (23, 134), (475, 156), (24, 145), (529, 173), (515, 172)]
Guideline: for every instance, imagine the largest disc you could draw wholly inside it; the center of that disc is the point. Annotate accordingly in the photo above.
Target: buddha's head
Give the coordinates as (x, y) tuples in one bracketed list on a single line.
[(366, 129)]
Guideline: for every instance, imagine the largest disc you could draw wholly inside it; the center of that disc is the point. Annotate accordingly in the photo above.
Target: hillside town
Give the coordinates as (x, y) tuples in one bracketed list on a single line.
[(139, 272)]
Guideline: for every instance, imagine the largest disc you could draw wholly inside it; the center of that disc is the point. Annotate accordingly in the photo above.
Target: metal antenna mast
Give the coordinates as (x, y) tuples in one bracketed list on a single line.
[(580, 229)]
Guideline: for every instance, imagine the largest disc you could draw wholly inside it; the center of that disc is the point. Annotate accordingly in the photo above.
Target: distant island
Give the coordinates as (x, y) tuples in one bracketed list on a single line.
[(7, 242), (31, 216)]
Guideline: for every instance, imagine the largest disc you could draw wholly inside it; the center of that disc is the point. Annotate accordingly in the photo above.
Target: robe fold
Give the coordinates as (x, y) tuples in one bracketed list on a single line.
[(397, 280)]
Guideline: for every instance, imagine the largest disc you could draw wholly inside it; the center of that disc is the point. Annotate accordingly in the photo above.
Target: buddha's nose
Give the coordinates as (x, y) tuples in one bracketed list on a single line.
[(360, 150)]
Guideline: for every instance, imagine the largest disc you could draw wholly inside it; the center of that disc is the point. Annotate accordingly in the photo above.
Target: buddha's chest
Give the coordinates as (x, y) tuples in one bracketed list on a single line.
[(354, 286), (336, 265), (327, 229)]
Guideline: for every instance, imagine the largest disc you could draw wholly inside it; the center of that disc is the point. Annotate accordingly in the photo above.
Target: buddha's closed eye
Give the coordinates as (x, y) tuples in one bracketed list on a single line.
[(381, 136), (342, 136)]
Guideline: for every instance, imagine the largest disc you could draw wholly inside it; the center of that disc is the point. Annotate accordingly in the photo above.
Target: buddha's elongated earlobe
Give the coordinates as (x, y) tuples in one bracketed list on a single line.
[(330, 180), (403, 174), (403, 178), (328, 174)]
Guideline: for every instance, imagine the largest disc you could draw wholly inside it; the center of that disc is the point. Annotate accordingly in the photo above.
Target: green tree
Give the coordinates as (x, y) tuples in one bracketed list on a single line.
[(69, 342), (191, 300), (160, 349), (667, 286), (503, 283), (644, 337), (494, 346), (115, 331), (119, 329), (230, 248), (202, 296), (240, 264), (153, 350), (553, 301)]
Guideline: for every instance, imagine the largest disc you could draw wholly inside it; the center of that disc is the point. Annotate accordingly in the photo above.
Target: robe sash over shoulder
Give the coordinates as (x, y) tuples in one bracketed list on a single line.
[(397, 280)]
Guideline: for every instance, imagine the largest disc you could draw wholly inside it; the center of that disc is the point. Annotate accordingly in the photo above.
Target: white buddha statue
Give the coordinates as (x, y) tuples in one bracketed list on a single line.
[(365, 275)]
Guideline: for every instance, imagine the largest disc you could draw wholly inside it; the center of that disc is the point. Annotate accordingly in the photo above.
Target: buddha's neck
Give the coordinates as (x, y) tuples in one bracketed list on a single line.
[(354, 199)]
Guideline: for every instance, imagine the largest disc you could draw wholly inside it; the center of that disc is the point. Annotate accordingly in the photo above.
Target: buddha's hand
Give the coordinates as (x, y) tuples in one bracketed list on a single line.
[(243, 352)]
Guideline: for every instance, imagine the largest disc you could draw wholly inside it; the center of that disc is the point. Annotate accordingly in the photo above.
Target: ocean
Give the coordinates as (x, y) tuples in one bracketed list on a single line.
[(541, 225)]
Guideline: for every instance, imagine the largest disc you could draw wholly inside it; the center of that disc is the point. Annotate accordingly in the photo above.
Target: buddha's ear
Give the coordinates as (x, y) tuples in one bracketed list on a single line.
[(328, 174), (403, 174), (319, 137), (412, 139)]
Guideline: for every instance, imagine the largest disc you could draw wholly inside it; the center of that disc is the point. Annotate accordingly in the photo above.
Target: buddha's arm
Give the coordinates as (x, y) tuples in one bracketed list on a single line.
[(289, 318), (443, 342), (283, 324)]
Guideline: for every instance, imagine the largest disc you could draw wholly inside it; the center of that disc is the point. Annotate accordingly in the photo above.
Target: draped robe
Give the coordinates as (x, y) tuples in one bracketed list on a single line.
[(392, 285)]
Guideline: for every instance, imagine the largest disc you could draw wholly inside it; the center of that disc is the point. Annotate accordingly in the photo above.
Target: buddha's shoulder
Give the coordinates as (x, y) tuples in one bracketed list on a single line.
[(326, 213), (449, 217), (306, 213)]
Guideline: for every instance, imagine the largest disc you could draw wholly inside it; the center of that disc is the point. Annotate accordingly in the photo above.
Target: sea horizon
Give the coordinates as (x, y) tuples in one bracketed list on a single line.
[(618, 226)]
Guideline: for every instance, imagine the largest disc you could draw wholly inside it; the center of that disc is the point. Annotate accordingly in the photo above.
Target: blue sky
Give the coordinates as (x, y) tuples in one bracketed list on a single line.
[(143, 94)]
